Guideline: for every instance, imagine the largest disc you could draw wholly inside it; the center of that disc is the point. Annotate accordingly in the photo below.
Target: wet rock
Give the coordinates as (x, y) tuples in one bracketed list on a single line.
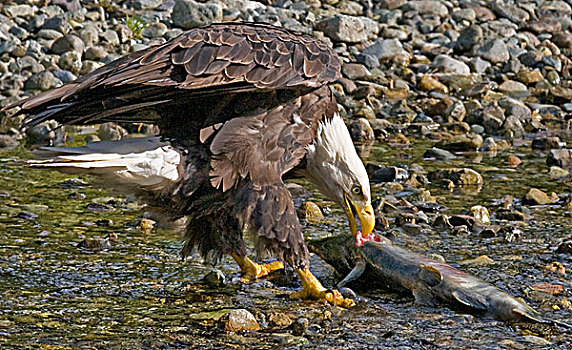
[(480, 261), (513, 127), (461, 143), (104, 223), (489, 144), (350, 29), (97, 244), (214, 278), (447, 64), (7, 142), (361, 130), (557, 172), (26, 215), (511, 215), (239, 321), (383, 173), (438, 154), (459, 177), (456, 112), (513, 161), (536, 197), (98, 207), (546, 143), (300, 326), (565, 248), (279, 319), (462, 220), (560, 157), (481, 214), (42, 81), (460, 231), (495, 51), (68, 42), (311, 212), (287, 339), (515, 108), (190, 14), (489, 232)]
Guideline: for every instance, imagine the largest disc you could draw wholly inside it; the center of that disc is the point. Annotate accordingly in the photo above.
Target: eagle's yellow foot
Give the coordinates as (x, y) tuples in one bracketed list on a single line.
[(251, 270), (313, 289)]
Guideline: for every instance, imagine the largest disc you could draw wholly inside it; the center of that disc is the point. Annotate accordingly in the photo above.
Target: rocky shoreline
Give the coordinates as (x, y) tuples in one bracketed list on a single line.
[(466, 75), (459, 79)]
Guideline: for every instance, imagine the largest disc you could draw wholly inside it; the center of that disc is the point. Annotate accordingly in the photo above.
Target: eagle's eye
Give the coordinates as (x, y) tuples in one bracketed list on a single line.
[(357, 190)]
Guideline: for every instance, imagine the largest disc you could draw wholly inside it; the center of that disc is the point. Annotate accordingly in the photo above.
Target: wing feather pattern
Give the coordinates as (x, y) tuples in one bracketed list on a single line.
[(230, 54)]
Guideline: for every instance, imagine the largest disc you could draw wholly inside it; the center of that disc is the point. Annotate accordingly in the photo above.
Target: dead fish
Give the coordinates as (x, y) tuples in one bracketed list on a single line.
[(432, 283)]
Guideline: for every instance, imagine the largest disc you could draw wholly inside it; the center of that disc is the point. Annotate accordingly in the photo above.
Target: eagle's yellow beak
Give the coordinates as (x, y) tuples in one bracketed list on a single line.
[(364, 213)]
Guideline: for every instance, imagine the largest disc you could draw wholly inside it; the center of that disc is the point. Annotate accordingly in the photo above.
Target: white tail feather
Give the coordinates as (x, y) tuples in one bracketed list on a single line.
[(146, 162)]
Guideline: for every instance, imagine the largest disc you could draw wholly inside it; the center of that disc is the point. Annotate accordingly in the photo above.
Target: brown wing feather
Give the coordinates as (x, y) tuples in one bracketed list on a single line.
[(187, 58), (263, 147)]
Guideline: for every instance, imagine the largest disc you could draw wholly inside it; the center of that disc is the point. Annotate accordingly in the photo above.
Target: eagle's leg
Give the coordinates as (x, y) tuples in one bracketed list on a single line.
[(251, 270), (313, 289)]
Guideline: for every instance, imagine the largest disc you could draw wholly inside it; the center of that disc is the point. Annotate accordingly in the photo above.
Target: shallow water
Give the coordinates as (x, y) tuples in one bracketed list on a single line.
[(140, 295)]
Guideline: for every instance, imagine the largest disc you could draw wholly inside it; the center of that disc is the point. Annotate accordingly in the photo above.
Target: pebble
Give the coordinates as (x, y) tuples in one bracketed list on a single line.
[(190, 14), (240, 320), (384, 173), (449, 65), (463, 176), (214, 278), (536, 197), (311, 212), (560, 157), (68, 42), (438, 154), (42, 81), (495, 50), (361, 130)]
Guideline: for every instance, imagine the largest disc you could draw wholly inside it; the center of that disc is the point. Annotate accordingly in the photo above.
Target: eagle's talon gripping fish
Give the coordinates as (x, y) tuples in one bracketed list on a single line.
[(432, 283)]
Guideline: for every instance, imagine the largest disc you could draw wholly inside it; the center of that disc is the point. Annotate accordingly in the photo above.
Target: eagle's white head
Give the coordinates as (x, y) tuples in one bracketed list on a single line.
[(334, 166)]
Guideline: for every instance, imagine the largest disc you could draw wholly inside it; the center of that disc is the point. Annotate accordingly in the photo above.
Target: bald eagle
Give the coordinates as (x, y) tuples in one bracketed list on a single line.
[(240, 106)]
